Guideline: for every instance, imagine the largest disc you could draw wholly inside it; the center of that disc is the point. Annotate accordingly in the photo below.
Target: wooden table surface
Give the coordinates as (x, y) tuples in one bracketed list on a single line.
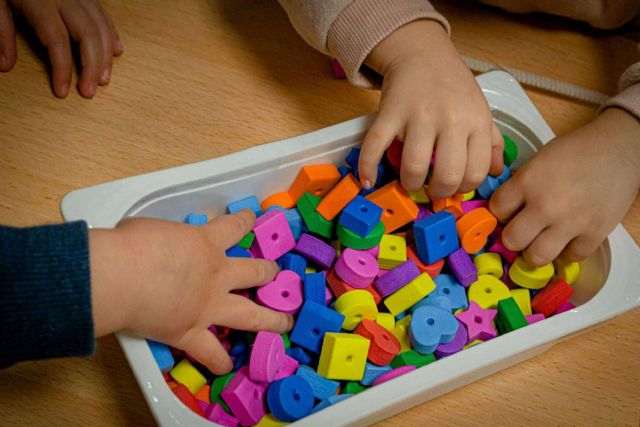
[(203, 79)]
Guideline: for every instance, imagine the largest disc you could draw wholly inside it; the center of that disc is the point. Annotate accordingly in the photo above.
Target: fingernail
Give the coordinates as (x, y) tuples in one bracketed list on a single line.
[(106, 76), (3, 60), (91, 90), (366, 184), (64, 91), (119, 45)]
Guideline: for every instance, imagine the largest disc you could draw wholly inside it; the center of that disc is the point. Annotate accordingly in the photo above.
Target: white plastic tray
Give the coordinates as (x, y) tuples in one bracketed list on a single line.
[(610, 282)]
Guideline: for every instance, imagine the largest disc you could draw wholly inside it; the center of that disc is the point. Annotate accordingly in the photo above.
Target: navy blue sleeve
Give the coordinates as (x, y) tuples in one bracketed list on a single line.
[(45, 293)]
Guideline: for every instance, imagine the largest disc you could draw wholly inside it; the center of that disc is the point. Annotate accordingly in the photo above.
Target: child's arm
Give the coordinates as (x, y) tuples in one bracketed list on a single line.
[(63, 285), (429, 97), (55, 21)]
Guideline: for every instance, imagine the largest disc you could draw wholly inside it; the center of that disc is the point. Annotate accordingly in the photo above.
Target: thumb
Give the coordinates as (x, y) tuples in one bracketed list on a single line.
[(7, 38)]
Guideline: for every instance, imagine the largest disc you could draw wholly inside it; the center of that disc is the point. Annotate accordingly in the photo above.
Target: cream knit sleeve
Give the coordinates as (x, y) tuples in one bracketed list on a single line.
[(349, 30)]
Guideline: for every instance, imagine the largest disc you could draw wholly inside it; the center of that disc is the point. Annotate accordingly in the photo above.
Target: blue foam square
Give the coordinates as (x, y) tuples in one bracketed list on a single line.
[(315, 288), (314, 320), (322, 387), (237, 252), (162, 355), (294, 262), (436, 237), (250, 202), (196, 219), (491, 183), (360, 216)]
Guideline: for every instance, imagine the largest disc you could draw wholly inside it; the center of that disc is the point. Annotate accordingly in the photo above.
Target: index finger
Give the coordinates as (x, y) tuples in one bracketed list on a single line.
[(228, 230), (243, 273)]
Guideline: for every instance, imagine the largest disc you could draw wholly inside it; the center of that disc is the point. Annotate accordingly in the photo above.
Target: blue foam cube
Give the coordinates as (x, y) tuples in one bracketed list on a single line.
[(360, 216), (433, 300), (322, 387), (196, 219), (313, 322), (344, 171), (491, 183), (447, 286), (250, 203), (315, 288), (162, 355), (436, 237)]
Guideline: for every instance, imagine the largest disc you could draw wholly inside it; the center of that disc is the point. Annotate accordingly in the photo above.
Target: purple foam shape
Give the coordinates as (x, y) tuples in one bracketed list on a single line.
[(506, 279), (396, 278), (470, 205), (203, 405), (215, 413), (316, 250), (245, 398), (458, 343), (423, 213), (463, 267), (394, 373), (566, 306), (328, 296), (533, 318), (358, 269), (289, 367)]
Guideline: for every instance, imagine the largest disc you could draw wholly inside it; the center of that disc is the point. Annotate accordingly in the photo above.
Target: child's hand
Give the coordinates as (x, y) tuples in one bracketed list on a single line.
[(429, 97), (170, 281), (54, 22), (573, 193)]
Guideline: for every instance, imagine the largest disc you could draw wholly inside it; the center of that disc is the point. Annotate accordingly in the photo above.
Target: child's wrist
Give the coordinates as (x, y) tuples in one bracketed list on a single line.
[(413, 40)]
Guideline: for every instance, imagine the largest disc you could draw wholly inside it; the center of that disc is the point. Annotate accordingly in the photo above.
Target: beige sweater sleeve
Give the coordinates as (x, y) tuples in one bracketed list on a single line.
[(349, 29)]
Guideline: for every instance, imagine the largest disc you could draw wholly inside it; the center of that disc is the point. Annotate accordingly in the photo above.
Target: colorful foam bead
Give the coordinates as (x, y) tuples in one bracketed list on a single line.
[(510, 153), (293, 262), (530, 277), (393, 251), (534, 318), (315, 288), (567, 271), (522, 297), (463, 268), (509, 317), (270, 421), (217, 385), (352, 240), (498, 247), (491, 184), (339, 287), (162, 355), (281, 199), (386, 320), (250, 203), (316, 250), (489, 263), (566, 306), (329, 401), (449, 288), (314, 179), (314, 320), (245, 398), (357, 268), (384, 346), (356, 306), (410, 294), (237, 252), (549, 299), (352, 160), (354, 387), (187, 398), (290, 398), (204, 394), (273, 236), (361, 216), (394, 156), (402, 335), (431, 269), (186, 374), (247, 240), (474, 229), (396, 278), (451, 204), (322, 387), (430, 327), (487, 291), (398, 208), (196, 219), (373, 371), (413, 358), (267, 356), (455, 345), (419, 196), (315, 222), (393, 374), (433, 300), (300, 355), (470, 205), (289, 367), (283, 294), (436, 237), (336, 200), (479, 322), (216, 414), (343, 356)]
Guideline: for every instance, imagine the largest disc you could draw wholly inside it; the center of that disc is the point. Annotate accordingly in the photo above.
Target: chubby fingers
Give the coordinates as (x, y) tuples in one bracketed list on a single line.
[(378, 138), (416, 155), (8, 52), (450, 162), (243, 273), (203, 345), (478, 160)]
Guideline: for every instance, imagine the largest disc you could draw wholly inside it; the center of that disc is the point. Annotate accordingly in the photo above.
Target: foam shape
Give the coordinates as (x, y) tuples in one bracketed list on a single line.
[(314, 179), (410, 294), (360, 216), (316, 250), (216, 413), (431, 269), (479, 322), (398, 208), (273, 236), (357, 268), (283, 294), (474, 229), (245, 398), (197, 219), (487, 291), (336, 200), (436, 237), (267, 356), (322, 387), (393, 251), (509, 316), (430, 327), (355, 306), (393, 374), (343, 356), (384, 345), (463, 268), (162, 355), (551, 298), (448, 287), (290, 398), (530, 277), (281, 199), (186, 374), (188, 399), (250, 202), (313, 322), (315, 288), (489, 263), (491, 183), (396, 278)]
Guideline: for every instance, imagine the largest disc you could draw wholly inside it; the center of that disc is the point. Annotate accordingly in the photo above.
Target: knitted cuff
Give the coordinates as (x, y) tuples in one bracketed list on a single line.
[(364, 24), (45, 301)]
